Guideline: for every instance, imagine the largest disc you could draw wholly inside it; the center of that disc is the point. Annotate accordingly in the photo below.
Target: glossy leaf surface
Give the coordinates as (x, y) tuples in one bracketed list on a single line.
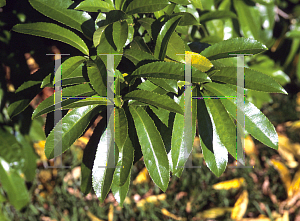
[(61, 12), (233, 46), (256, 123), (73, 125), (145, 6), (155, 156), (53, 31), (162, 101)]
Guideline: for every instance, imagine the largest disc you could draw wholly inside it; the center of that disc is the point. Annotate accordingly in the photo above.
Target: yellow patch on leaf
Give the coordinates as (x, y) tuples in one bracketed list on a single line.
[(200, 62), (110, 215), (229, 184), (240, 206), (213, 213)]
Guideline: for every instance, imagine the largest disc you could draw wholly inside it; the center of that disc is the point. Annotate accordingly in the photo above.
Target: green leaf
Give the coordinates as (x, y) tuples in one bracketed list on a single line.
[(95, 6), (10, 148), (104, 167), (155, 156), (168, 85), (48, 104), (162, 114), (61, 12), (181, 2), (175, 47), (149, 86), (182, 138), (36, 131), (97, 35), (146, 23), (213, 149), (119, 4), (120, 192), (66, 68), (186, 19), (96, 73), (72, 127), (135, 56), (26, 93), (197, 4), (108, 46), (256, 123), (120, 34), (2, 3), (216, 15), (89, 155), (126, 151), (249, 19), (233, 46), (254, 80), (145, 6), (78, 76), (162, 101), (164, 36), (168, 70), (53, 31), (13, 185), (138, 44), (30, 157)]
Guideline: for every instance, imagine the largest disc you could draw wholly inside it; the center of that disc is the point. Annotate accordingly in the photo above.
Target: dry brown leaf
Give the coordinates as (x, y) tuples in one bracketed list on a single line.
[(240, 206), (283, 172), (229, 184), (213, 213), (142, 177), (167, 213)]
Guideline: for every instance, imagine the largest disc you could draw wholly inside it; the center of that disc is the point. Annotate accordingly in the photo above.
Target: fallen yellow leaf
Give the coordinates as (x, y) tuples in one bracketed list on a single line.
[(213, 213), (110, 215), (93, 217), (229, 184), (142, 177), (240, 206), (151, 199), (40, 149), (283, 172), (250, 148), (295, 185), (167, 213)]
